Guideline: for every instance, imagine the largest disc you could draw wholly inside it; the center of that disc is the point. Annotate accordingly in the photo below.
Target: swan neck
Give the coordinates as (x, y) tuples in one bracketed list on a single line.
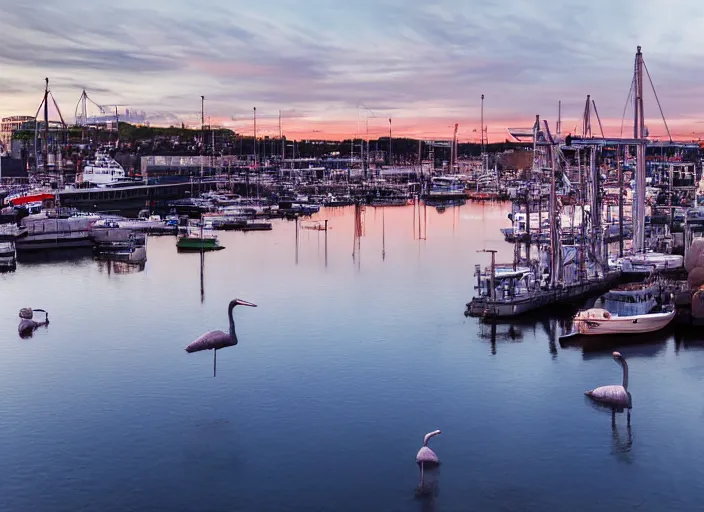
[(429, 436), (233, 334), (624, 365)]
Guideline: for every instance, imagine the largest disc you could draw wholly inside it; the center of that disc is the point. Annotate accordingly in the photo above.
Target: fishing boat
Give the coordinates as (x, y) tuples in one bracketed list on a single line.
[(197, 240)]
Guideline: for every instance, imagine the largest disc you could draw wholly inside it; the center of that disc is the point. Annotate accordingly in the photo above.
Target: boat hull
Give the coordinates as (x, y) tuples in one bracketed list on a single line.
[(131, 199), (51, 241), (640, 324), (197, 244), (257, 227)]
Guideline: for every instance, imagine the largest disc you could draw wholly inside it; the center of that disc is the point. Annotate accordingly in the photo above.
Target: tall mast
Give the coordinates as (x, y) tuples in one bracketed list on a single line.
[(482, 127), (256, 151), (256, 154), (367, 156), (595, 209), (117, 126), (84, 115), (202, 120), (620, 200), (202, 133), (454, 148), (45, 146), (555, 248), (281, 136), (559, 118), (639, 134), (391, 162)]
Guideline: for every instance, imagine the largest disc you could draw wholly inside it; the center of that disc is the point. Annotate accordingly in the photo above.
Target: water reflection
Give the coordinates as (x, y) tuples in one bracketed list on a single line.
[(358, 234), (621, 435), (55, 255), (641, 345), (622, 442), (688, 338), (495, 331), (202, 276), (428, 489), (297, 238), (512, 330), (421, 212), (118, 267)]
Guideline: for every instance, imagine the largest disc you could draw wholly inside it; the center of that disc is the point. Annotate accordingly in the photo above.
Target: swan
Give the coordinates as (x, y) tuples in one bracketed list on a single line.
[(426, 456), (215, 340), (616, 396)]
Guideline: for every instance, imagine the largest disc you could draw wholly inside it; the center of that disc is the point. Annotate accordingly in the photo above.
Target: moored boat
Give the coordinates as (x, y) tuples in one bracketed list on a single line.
[(632, 308), (29, 197), (598, 321), (197, 240), (256, 225), (446, 188), (102, 171)]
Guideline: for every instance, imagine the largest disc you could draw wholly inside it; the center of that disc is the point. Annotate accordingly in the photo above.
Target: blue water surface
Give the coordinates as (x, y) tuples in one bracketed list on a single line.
[(350, 358)]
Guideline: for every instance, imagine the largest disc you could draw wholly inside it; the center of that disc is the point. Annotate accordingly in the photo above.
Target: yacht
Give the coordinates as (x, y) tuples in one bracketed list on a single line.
[(102, 171)]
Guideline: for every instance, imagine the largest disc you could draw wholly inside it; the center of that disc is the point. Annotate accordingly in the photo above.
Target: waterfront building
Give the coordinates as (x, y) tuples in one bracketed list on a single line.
[(9, 125)]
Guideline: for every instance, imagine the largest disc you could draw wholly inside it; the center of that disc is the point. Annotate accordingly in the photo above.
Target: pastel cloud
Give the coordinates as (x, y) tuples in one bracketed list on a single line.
[(335, 66)]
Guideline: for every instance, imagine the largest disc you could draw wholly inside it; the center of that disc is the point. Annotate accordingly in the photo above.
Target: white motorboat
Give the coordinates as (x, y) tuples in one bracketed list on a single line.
[(627, 309), (597, 321), (102, 171)]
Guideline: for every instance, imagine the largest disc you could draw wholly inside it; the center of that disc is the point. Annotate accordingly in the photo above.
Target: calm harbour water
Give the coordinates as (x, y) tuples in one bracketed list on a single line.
[(344, 366)]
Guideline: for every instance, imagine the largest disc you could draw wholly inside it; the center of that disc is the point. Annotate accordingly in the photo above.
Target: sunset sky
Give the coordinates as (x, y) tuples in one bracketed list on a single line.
[(331, 67)]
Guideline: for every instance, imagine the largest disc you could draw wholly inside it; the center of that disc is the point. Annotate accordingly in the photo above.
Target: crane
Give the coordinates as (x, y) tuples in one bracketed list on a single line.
[(82, 119)]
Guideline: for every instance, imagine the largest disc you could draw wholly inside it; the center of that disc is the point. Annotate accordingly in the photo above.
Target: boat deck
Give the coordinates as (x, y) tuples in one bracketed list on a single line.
[(526, 302)]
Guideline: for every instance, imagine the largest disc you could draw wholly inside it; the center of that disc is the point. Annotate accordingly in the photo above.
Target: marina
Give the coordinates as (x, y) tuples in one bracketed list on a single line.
[(209, 307)]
